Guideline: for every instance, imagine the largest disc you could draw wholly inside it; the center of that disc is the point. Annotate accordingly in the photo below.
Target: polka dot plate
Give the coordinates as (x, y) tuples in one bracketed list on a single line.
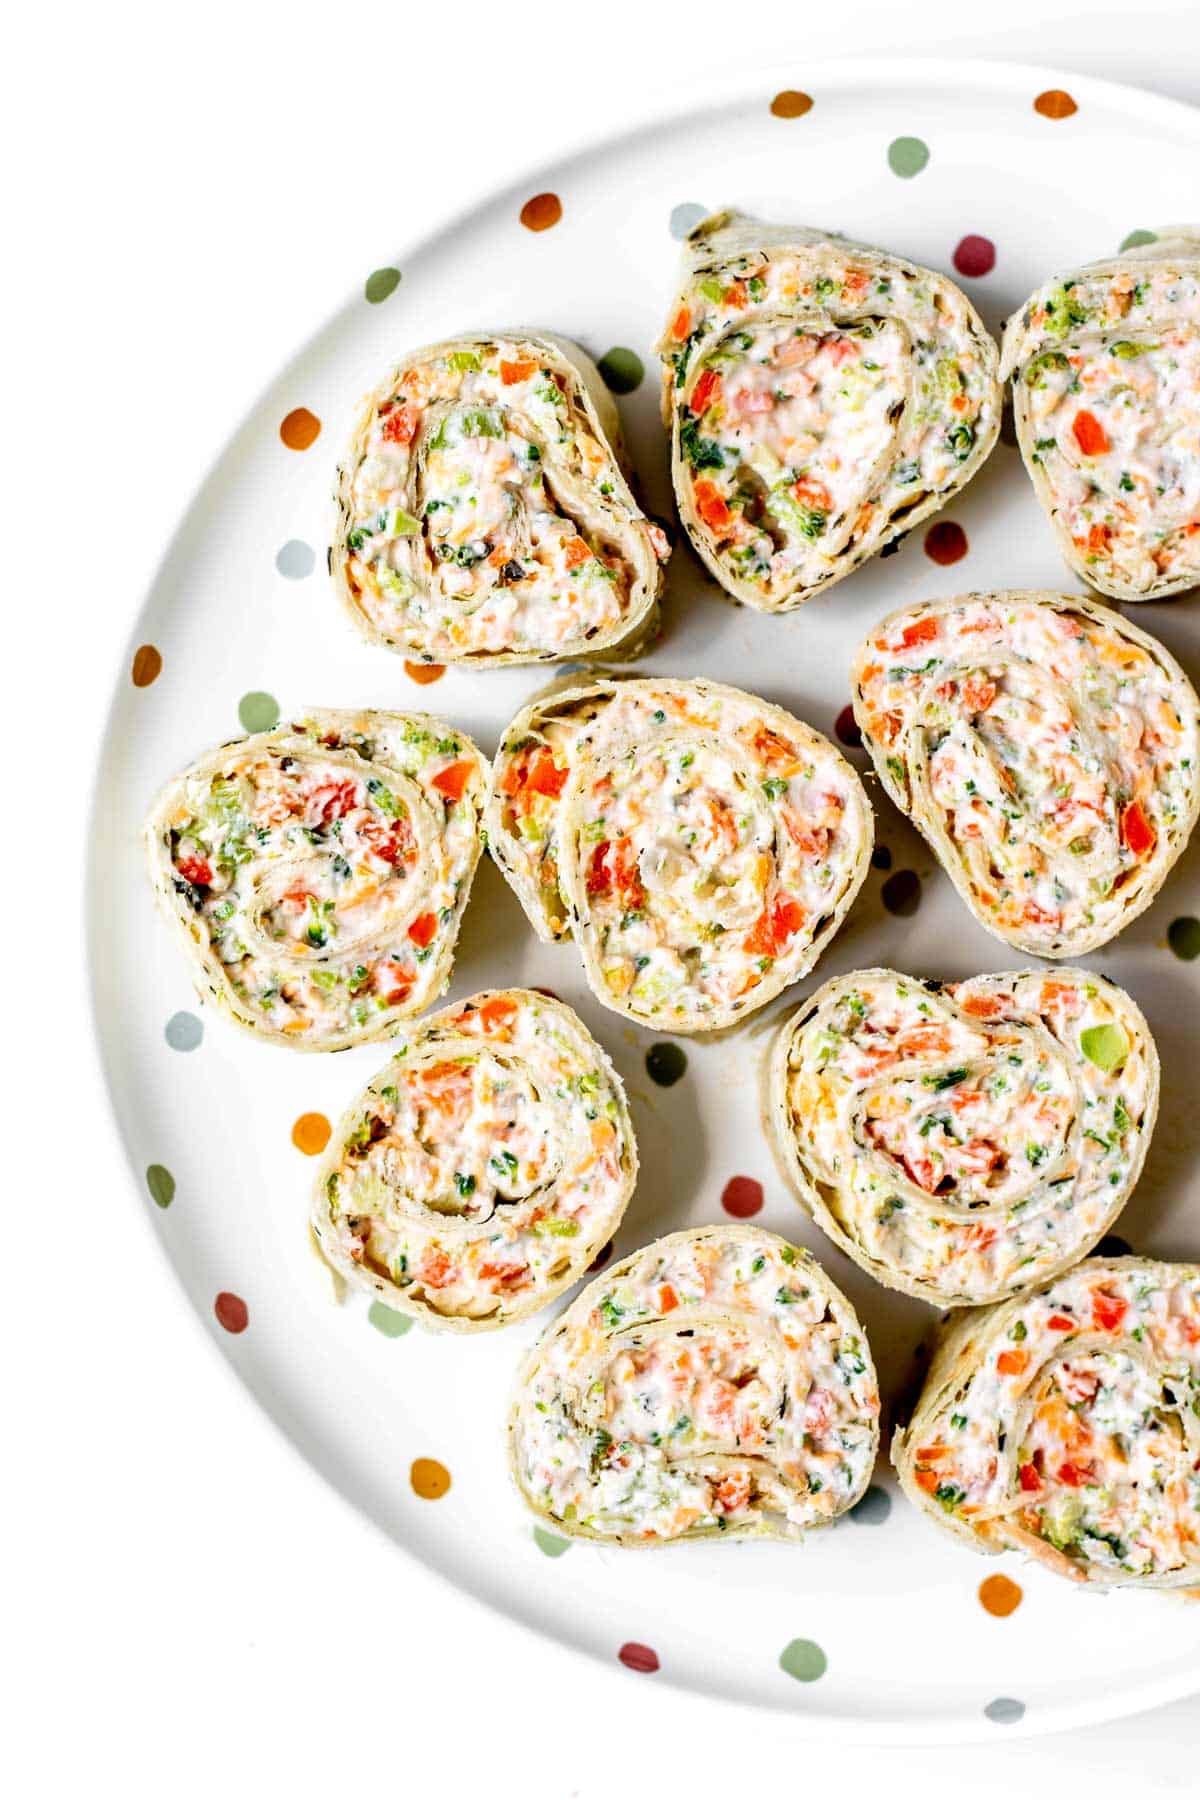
[(881, 1627)]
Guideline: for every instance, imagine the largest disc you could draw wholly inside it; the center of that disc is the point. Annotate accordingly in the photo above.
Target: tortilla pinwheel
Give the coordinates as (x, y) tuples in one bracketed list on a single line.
[(483, 513), (483, 1168), (1047, 749), (964, 1142), (715, 1383), (822, 398), (316, 875), (701, 846), (1105, 366), (1066, 1424)]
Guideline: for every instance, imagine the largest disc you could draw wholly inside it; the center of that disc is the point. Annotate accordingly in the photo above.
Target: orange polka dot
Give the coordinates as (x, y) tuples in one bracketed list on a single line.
[(1055, 103), (311, 1133), (430, 1479), (791, 104), (301, 429), (424, 673), (1000, 1596), (540, 213), (147, 665)]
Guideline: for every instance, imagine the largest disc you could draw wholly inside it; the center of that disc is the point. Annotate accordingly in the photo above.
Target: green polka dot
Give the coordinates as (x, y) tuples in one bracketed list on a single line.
[(622, 370), (380, 283), (258, 712), (907, 156), (161, 1183), (803, 1660), (1183, 935), (1138, 237), (548, 1544), (385, 1319)]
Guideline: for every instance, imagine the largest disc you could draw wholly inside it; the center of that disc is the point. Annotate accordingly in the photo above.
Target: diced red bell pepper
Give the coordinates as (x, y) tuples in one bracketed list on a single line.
[(423, 929), (1090, 434), (710, 504), (451, 780), (1108, 1310), (400, 426), (706, 393), (1136, 830)]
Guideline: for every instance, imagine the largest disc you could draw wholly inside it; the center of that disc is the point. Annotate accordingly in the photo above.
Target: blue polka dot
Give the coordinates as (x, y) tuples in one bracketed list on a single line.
[(873, 1508), (1004, 1711), (296, 560), (686, 217), (183, 1031)]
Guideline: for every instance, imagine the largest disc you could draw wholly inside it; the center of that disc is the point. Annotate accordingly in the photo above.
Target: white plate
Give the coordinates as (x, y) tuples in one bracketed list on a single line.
[(892, 1603)]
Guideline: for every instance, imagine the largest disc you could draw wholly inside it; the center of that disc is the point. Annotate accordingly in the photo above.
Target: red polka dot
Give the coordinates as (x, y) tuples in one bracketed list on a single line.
[(945, 542), (846, 728), (742, 1196), (975, 256), (232, 1312), (640, 1657)]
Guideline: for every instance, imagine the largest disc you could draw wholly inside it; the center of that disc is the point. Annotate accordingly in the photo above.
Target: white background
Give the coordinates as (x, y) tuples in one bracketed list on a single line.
[(190, 191)]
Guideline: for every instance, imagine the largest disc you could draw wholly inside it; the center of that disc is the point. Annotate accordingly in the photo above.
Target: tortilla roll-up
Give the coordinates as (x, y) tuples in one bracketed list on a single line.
[(1064, 1424), (1105, 367), (1046, 748), (483, 1168), (822, 397), (715, 1383), (700, 845), (483, 513), (316, 875), (964, 1141)]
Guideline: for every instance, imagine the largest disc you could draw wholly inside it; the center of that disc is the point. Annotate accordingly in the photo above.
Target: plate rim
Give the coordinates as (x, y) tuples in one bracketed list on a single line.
[(630, 120)]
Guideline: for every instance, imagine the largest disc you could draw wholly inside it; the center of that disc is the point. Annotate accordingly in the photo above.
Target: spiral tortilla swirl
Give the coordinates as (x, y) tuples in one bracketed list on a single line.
[(1066, 1424), (316, 875), (701, 846), (822, 398), (482, 1169), (1105, 367), (715, 1383), (963, 1142), (1046, 748), (484, 515)]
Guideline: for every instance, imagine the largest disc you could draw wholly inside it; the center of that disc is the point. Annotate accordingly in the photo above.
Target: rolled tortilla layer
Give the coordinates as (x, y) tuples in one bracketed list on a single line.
[(964, 1142), (316, 875), (483, 515), (1105, 366), (701, 846), (822, 397), (482, 1170), (1064, 1424), (714, 1383), (1047, 749)]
